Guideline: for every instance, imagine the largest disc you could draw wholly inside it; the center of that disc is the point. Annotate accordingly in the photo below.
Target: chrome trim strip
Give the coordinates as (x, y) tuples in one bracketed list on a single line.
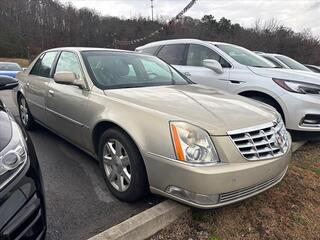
[(252, 129), (65, 118)]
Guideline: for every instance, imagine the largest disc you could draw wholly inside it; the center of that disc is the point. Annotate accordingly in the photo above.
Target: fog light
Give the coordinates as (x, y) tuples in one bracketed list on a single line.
[(193, 197), (311, 120)]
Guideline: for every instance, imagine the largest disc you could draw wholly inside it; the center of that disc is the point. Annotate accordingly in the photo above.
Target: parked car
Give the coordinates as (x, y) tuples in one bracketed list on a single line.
[(282, 61), (153, 129), (8, 82), (294, 94), (9, 69), (313, 68), (22, 208)]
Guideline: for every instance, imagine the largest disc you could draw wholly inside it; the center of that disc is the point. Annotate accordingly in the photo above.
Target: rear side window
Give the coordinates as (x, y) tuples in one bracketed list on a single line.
[(198, 53), (44, 64), (173, 54), (149, 50)]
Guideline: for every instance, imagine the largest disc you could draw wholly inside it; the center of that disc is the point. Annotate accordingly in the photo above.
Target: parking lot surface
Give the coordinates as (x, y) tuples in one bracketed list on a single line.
[(78, 202)]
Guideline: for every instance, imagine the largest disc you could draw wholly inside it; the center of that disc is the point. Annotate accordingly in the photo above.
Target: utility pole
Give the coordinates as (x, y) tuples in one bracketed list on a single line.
[(152, 9)]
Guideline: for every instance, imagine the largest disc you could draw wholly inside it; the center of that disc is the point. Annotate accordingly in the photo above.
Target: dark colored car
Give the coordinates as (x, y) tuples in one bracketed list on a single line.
[(22, 205), (9, 69)]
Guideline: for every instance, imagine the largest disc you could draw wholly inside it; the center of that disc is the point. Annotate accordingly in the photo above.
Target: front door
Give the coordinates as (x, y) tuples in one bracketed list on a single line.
[(67, 104), (195, 70)]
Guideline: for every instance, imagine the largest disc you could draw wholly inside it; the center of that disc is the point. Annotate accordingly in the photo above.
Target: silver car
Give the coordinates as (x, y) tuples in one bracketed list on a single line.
[(153, 129)]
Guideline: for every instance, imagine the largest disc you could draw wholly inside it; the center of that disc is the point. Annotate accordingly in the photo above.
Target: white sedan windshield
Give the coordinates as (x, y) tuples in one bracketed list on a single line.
[(245, 57)]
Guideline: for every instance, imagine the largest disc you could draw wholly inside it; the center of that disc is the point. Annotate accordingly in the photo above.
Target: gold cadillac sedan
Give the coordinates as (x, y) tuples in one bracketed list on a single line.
[(152, 129)]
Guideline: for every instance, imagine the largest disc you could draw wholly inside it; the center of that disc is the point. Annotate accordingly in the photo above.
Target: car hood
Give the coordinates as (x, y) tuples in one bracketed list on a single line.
[(287, 74), (9, 73), (213, 110), (5, 127)]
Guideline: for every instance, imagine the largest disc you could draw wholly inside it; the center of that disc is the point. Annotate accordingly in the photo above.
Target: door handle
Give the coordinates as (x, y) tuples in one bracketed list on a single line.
[(187, 74), (51, 92), (235, 82)]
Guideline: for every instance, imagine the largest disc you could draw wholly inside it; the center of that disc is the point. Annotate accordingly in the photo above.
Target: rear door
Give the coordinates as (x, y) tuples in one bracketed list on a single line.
[(37, 85), (67, 104)]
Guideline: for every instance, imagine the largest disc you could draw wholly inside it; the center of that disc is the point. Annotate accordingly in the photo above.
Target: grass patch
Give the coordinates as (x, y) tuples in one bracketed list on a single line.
[(316, 170)]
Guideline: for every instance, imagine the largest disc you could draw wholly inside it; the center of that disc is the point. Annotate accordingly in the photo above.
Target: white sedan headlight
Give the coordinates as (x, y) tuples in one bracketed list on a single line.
[(192, 144), (298, 87), (15, 153)]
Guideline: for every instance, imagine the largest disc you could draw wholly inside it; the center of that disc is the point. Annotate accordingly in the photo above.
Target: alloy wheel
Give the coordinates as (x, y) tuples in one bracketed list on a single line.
[(117, 165), (24, 114)]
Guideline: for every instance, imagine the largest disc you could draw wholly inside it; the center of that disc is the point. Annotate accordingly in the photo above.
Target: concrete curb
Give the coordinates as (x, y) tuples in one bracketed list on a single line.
[(145, 224), (149, 222)]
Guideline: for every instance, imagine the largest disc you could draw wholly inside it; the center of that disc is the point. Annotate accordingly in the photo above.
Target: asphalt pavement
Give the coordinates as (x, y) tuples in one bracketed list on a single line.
[(79, 205)]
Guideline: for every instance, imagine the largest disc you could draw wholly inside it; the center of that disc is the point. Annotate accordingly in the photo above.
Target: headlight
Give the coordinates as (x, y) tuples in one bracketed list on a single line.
[(298, 87), (15, 153), (192, 144)]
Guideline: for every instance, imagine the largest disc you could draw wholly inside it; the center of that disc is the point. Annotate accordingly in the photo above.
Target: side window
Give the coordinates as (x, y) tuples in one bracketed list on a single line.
[(68, 62), (44, 64), (173, 54), (149, 50), (198, 53)]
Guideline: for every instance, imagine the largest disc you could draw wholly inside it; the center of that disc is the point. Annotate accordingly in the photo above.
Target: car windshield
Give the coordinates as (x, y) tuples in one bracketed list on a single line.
[(245, 57), (293, 64), (10, 67), (110, 70)]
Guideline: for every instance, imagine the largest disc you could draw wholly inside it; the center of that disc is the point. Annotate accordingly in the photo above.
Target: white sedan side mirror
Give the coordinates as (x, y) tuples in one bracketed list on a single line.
[(213, 65)]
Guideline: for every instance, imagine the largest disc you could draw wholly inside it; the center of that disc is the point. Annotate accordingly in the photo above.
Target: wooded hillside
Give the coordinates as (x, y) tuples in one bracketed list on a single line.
[(41, 24)]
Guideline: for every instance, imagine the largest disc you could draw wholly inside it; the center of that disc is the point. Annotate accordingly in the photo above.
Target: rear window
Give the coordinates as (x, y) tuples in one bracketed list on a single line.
[(149, 50), (10, 67)]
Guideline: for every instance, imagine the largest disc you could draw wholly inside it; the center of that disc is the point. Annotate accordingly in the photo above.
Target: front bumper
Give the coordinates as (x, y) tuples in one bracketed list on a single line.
[(297, 107), (224, 183), (22, 209)]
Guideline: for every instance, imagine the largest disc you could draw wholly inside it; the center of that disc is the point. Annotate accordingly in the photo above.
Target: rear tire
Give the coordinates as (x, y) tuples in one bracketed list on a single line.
[(122, 166), (25, 114)]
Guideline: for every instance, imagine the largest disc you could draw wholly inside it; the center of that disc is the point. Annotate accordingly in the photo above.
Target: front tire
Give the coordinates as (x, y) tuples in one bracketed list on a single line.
[(25, 114), (122, 166)]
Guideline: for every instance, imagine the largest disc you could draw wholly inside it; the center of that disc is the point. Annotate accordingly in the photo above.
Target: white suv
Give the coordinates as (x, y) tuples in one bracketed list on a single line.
[(295, 94)]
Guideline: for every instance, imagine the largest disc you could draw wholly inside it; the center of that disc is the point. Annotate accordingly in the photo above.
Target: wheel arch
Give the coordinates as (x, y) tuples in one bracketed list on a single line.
[(104, 125), (253, 93)]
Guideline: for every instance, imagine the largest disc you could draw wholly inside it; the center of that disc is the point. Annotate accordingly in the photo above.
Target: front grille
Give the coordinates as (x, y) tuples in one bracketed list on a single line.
[(245, 192), (261, 143)]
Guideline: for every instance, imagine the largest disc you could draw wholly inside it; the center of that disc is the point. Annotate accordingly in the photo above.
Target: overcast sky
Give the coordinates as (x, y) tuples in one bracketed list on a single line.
[(297, 14)]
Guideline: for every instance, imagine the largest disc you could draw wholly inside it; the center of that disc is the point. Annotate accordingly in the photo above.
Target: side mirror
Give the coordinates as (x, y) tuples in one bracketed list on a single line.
[(68, 78), (213, 65), (8, 82)]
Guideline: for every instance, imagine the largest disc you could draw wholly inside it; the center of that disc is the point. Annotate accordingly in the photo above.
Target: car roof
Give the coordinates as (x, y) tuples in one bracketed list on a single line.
[(84, 49), (179, 41)]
